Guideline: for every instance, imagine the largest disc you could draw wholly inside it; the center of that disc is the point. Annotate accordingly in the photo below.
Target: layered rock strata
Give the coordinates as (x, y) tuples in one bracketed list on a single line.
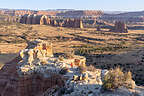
[(46, 20)]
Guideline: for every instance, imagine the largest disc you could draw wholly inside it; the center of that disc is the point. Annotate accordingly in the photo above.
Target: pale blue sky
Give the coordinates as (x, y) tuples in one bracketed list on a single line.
[(106, 5)]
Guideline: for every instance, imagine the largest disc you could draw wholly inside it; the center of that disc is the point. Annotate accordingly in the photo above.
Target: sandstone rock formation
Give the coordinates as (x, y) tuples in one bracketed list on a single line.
[(60, 13), (12, 19), (120, 27), (88, 84), (30, 19), (45, 20), (131, 17), (74, 23), (36, 19), (34, 71), (23, 19), (80, 13), (54, 22)]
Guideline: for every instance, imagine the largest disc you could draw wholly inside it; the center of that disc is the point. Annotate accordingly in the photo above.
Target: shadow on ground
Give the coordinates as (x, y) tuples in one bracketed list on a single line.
[(4, 58)]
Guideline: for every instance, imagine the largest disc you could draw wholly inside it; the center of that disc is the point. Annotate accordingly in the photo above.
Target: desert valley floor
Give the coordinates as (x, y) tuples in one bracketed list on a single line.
[(107, 49)]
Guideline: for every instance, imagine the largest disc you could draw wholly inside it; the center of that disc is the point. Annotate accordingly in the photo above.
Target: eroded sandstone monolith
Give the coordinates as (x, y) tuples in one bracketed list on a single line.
[(120, 27), (74, 23)]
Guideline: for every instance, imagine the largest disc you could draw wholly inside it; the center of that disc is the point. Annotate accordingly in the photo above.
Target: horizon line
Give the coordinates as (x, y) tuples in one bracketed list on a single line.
[(69, 9)]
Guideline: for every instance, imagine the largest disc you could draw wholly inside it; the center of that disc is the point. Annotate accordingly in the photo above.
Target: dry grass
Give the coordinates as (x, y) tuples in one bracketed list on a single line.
[(86, 40), (115, 78), (122, 49), (68, 39)]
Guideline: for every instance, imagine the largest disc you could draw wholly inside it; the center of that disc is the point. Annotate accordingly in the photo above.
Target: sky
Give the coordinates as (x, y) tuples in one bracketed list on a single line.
[(104, 5)]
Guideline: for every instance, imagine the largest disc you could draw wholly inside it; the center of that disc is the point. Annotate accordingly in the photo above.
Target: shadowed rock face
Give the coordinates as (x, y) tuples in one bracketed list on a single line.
[(36, 19), (120, 27), (23, 19), (12, 19), (30, 19)]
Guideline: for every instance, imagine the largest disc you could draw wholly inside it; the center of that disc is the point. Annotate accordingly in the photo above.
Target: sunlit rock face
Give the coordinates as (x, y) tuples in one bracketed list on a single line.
[(45, 20), (40, 66), (37, 72), (86, 83), (37, 60), (23, 19), (38, 57)]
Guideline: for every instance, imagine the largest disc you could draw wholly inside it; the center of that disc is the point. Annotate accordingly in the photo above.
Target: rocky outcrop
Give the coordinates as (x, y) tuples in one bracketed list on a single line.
[(16, 80), (23, 19), (30, 19), (34, 71), (80, 13), (53, 22), (120, 27), (36, 19), (45, 20), (74, 23), (89, 83), (129, 17), (61, 13), (12, 19)]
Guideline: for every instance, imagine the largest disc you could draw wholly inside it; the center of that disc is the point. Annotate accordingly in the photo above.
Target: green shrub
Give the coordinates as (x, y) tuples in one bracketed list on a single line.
[(116, 79)]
